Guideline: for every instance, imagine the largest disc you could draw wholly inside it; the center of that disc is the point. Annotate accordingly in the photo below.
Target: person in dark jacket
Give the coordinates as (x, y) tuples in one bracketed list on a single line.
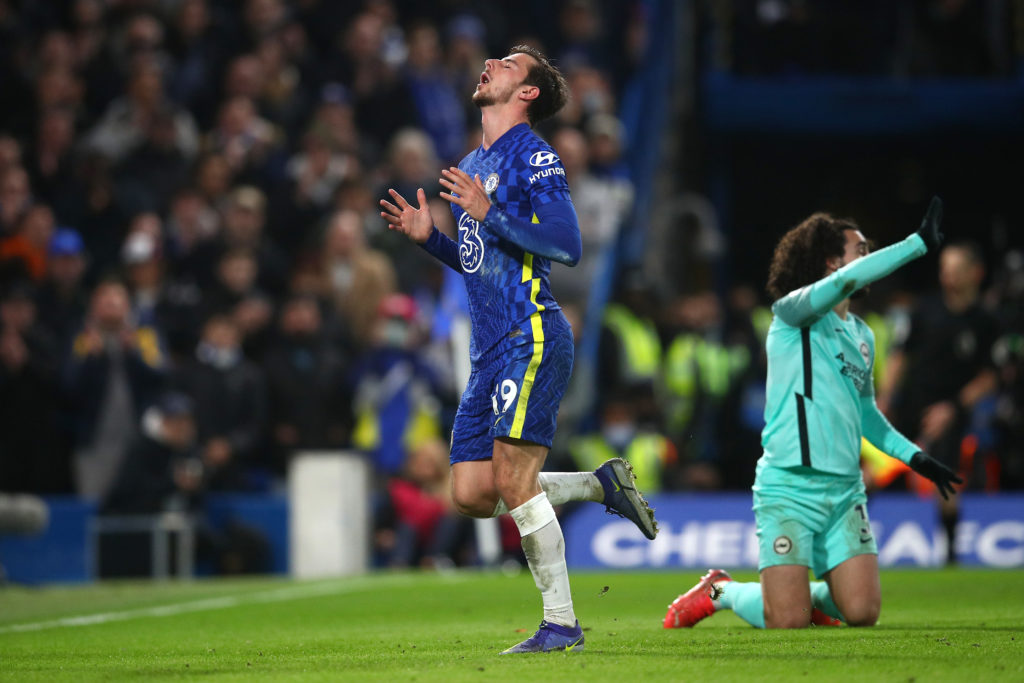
[(230, 397), (114, 372), (33, 456), (161, 469), (310, 402)]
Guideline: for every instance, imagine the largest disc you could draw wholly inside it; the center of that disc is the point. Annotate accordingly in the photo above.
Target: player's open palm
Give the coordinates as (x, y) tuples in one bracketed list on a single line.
[(467, 192), (413, 221)]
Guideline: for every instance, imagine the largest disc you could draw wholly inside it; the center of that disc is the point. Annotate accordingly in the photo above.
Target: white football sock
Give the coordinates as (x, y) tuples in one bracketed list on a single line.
[(563, 487), (544, 546)]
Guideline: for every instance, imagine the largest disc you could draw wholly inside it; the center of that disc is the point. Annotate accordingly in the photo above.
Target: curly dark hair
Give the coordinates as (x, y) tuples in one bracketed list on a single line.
[(554, 91), (800, 255)]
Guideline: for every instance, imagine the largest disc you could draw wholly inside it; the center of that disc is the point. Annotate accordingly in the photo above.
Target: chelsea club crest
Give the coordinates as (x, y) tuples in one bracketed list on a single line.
[(491, 183)]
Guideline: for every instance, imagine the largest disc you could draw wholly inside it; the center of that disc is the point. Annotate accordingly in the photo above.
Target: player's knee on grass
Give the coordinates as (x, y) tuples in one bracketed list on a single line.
[(861, 613), (787, 618)]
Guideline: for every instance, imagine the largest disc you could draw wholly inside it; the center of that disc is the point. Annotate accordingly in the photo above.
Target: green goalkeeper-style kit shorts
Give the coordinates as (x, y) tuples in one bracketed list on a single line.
[(810, 518)]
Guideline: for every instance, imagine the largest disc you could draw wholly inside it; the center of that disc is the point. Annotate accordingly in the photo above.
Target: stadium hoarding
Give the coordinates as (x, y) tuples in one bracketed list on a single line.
[(705, 530)]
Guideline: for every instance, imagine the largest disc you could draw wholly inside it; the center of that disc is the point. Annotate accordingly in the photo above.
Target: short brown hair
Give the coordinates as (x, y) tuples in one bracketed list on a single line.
[(800, 255), (554, 91)]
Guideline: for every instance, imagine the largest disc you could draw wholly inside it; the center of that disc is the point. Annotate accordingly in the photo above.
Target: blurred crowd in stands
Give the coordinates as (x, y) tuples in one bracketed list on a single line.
[(916, 38), (195, 282), (194, 279)]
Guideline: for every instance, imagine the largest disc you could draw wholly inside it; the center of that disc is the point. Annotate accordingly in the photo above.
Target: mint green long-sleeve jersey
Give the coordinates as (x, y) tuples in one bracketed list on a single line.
[(820, 394)]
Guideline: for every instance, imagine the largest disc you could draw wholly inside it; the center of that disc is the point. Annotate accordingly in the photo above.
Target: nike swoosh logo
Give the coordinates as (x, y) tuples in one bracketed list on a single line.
[(568, 648), (616, 485)]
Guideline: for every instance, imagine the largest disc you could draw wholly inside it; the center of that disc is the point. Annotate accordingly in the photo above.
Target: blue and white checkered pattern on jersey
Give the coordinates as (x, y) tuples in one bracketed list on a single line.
[(507, 285)]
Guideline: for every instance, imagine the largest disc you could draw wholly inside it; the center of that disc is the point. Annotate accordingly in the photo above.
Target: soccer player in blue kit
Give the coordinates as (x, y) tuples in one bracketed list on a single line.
[(511, 203), (809, 498)]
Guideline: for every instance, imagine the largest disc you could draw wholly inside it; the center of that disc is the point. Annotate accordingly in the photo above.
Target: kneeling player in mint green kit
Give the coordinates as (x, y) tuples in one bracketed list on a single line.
[(809, 498)]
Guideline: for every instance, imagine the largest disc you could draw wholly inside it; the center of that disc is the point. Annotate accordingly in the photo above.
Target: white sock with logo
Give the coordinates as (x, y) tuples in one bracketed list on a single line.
[(544, 546), (564, 487)]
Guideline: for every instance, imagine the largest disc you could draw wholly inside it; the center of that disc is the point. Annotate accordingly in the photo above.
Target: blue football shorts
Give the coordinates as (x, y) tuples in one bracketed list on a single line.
[(514, 389)]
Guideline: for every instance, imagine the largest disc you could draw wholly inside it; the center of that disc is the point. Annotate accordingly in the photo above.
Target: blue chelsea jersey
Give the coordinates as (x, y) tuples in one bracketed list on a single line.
[(507, 285)]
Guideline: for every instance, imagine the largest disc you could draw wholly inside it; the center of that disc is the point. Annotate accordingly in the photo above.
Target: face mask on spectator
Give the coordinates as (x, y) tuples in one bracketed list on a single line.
[(619, 434), (219, 357), (395, 334), (341, 276)]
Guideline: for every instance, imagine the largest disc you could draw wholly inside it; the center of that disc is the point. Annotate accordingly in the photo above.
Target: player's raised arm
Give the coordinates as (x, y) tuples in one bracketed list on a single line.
[(555, 235), (417, 224), (804, 305)]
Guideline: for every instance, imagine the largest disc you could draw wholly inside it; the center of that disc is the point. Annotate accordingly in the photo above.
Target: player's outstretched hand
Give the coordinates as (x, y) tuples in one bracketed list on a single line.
[(413, 222), (930, 468), (930, 224), (467, 192)]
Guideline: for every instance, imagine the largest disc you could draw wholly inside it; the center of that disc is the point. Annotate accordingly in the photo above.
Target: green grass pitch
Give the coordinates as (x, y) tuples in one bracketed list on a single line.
[(948, 625)]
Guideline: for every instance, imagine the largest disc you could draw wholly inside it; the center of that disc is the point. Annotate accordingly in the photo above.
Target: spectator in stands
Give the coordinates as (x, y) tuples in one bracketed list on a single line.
[(229, 393), (213, 178), (244, 230), (28, 246), (10, 153), (199, 48), (144, 274), (49, 160), (62, 299), (629, 429), (396, 393), (308, 396), (630, 349), (314, 176), (412, 164), (438, 103), (605, 138), (165, 472), (283, 96), (161, 469), (368, 66), (428, 532), (191, 221), (126, 122), (707, 362), (943, 368), (466, 50), (154, 169), (334, 119), (357, 278), (246, 140), (15, 198), (114, 372), (591, 94), (33, 456)]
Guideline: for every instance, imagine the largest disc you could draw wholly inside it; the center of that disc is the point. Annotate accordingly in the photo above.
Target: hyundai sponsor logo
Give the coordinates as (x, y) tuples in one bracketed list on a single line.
[(557, 170), (543, 158)]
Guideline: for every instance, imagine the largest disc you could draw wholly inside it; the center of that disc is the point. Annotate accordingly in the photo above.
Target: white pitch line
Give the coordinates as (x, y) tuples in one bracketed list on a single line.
[(208, 604)]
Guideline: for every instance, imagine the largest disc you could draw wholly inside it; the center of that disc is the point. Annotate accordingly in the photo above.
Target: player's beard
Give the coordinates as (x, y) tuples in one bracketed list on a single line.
[(861, 293), (481, 99)]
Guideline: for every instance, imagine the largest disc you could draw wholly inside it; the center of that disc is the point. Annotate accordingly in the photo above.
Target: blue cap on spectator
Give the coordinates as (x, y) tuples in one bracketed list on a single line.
[(175, 403), (467, 26), (66, 242), (334, 93)]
